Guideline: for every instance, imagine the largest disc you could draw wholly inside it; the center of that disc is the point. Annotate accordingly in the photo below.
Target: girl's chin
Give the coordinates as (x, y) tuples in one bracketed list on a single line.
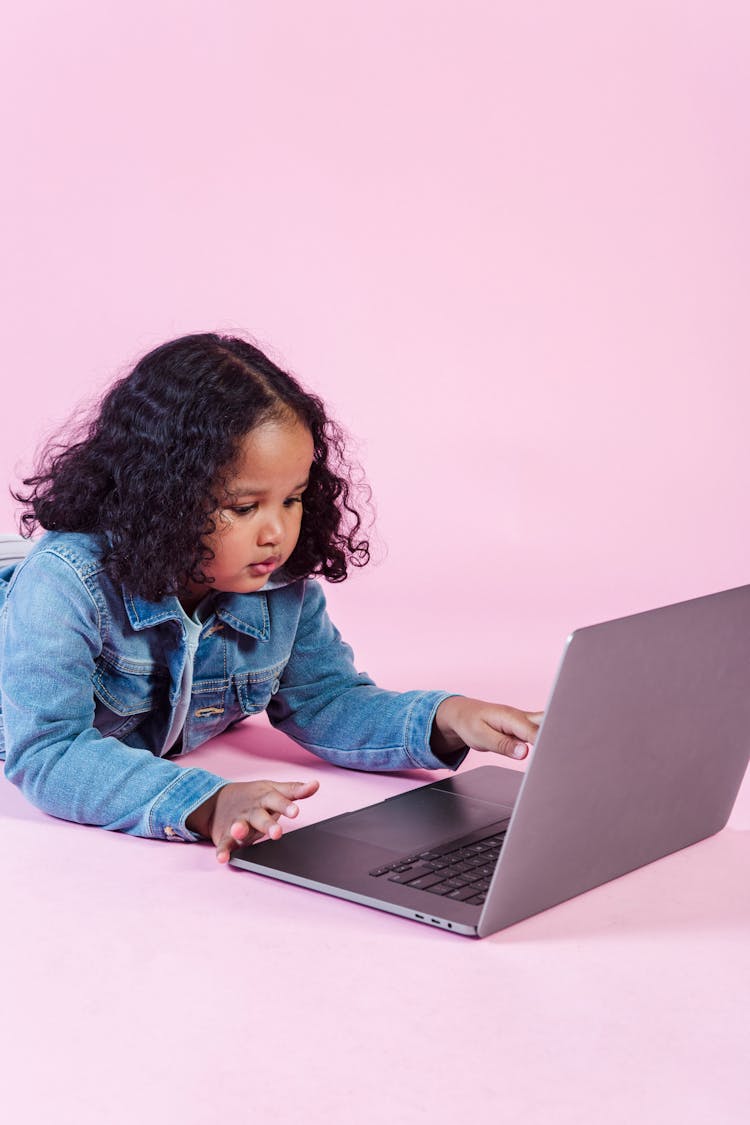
[(246, 583)]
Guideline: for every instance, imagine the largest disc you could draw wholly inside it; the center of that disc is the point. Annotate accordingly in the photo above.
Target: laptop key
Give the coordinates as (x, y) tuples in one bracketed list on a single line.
[(406, 874), (424, 882), (462, 893), (440, 888), (477, 900), (382, 870)]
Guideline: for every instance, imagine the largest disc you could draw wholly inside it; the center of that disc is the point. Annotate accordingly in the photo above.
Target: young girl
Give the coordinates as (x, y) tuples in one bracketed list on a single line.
[(172, 596)]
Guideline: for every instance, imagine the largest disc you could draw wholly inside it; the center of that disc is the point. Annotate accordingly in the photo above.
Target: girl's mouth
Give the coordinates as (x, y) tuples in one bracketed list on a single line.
[(265, 567)]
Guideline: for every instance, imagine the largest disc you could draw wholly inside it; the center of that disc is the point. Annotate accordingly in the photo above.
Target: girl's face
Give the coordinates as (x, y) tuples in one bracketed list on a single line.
[(258, 528)]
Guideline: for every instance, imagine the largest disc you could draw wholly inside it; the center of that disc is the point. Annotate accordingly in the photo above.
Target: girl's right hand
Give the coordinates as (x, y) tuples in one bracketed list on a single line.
[(244, 811)]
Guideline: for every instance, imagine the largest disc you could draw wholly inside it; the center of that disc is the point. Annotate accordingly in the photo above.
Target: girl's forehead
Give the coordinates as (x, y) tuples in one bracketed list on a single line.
[(275, 451)]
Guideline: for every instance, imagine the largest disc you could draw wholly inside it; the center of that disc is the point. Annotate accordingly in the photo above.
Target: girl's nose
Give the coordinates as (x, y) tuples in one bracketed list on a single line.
[(271, 532)]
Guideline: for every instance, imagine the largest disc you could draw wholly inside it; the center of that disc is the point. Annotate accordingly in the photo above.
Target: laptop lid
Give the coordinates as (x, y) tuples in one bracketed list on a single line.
[(641, 752)]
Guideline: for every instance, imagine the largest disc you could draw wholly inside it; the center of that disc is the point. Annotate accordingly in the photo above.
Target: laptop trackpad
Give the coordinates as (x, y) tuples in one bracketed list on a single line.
[(419, 819)]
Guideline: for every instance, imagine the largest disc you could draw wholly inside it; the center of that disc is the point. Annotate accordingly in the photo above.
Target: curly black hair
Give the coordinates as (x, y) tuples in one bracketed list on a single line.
[(148, 471)]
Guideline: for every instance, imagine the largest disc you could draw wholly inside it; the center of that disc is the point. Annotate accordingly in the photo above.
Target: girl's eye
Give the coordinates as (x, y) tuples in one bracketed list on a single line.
[(248, 509)]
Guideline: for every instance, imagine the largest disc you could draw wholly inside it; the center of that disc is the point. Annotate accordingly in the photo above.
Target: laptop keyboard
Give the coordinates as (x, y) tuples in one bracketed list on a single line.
[(458, 871)]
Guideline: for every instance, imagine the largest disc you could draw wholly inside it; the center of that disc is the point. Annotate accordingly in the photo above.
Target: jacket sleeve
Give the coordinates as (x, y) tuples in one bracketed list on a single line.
[(338, 713), (49, 641)]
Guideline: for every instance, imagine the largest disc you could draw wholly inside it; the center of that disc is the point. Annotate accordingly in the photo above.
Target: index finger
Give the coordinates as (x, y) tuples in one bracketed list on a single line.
[(523, 725), (297, 789)]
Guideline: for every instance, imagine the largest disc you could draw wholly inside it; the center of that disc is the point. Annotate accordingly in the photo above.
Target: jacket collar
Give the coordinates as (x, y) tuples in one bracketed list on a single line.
[(245, 613)]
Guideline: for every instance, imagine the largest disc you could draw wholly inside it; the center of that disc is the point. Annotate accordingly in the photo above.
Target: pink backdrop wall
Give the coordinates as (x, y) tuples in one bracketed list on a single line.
[(509, 242)]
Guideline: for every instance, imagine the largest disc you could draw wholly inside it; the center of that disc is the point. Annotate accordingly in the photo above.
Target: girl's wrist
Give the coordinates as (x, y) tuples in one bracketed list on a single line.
[(201, 819), (444, 738)]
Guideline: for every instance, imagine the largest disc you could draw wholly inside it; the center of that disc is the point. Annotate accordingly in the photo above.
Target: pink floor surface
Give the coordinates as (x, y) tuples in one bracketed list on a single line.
[(145, 982)]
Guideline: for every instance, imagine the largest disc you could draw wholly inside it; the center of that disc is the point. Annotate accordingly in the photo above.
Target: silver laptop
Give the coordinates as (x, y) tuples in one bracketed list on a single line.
[(642, 750)]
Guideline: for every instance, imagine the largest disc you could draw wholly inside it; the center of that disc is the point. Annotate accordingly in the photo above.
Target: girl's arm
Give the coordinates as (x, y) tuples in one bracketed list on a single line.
[(338, 713), (49, 641)]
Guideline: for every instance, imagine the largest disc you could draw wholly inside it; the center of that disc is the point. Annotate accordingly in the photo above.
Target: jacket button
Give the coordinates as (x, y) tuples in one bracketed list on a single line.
[(169, 831), (275, 687)]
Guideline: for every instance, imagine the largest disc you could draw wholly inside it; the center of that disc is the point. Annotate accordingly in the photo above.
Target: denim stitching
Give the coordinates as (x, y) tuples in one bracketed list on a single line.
[(273, 672), (136, 667), (117, 705)]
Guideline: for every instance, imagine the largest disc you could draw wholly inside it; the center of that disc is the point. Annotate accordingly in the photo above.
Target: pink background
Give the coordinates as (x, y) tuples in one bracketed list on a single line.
[(510, 244)]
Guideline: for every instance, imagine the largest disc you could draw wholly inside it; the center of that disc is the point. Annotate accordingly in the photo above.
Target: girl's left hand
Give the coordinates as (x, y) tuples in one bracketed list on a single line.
[(460, 722)]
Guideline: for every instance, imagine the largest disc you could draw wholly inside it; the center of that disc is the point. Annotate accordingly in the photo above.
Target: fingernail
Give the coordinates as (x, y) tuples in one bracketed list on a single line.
[(519, 751), (292, 810)]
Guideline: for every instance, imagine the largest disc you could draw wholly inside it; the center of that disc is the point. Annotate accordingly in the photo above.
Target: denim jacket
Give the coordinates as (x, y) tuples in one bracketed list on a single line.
[(90, 679)]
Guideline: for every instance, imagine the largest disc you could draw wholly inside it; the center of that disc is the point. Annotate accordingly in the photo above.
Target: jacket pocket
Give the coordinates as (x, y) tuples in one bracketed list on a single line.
[(254, 689), (130, 687), (114, 726)]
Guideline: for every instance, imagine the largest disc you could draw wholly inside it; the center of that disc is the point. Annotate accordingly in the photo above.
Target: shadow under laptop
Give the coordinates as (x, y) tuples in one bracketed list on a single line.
[(701, 888)]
